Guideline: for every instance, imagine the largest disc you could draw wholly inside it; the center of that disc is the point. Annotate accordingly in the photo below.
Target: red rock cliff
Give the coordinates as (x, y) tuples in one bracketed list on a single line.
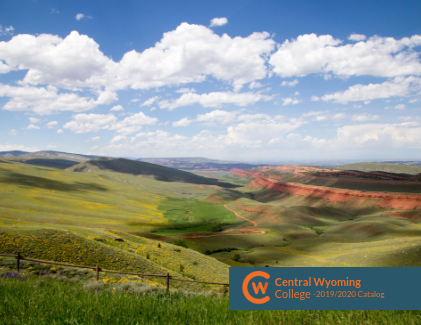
[(385, 199)]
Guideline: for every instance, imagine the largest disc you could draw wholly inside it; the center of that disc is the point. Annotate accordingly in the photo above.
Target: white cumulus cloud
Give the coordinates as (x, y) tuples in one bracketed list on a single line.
[(357, 37), (339, 116), (289, 101), (44, 101), (399, 86), (400, 107), (186, 90), (132, 123), (289, 83), (51, 124), (255, 84), (150, 101), (214, 99), (117, 108), (377, 56), (6, 31), (190, 53), (312, 113), (83, 123), (364, 117), (218, 22), (183, 122), (82, 16), (217, 117)]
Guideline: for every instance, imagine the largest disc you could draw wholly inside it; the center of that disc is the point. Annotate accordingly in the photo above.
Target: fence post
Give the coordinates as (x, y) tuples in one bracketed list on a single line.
[(18, 258), (97, 272), (168, 282)]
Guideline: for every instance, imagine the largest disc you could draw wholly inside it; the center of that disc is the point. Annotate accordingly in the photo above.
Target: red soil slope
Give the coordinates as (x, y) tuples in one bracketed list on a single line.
[(333, 195), (343, 176), (266, 171), (294, 169), (369, 175)]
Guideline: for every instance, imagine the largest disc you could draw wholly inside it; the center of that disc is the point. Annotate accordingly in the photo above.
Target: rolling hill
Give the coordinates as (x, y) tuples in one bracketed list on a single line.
[(377, 181), (140, 168), (270, 221), (75, 217), (54, 159), (382, 167)]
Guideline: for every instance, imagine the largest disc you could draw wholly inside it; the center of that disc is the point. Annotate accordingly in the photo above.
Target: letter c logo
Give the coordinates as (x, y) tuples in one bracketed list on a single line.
[(246, 292)]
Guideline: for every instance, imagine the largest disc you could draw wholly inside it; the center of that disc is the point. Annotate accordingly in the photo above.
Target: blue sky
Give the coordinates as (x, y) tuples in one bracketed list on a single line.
[(240, 80)]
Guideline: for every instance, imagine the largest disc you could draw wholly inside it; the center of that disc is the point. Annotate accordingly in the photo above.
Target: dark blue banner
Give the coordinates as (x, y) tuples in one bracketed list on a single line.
[(325, 288)]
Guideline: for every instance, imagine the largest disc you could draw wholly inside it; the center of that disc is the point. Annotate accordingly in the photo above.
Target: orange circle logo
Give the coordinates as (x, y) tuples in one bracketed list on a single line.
[(259, 287)]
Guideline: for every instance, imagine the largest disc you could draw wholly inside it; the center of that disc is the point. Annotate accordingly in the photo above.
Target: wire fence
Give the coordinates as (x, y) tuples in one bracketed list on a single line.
[(97, 269)]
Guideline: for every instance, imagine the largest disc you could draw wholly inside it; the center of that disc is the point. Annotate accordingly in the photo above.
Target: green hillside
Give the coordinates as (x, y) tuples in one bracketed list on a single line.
[(200, 228), (50, 162), (75, 217), (132, 167), (383, 167)]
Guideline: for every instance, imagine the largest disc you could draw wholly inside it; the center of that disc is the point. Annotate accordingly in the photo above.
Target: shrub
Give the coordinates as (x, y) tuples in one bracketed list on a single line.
[(224, 290), (219, 250), (236, 257), (180, 243)]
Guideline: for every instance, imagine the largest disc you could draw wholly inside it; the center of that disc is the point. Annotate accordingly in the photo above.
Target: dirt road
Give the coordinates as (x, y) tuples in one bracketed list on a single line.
[(244, 231)]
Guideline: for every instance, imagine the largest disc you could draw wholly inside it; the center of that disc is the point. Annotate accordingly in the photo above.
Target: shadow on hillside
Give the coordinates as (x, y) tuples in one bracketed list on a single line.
[(34, 181), (159, 173), (298, 248), (54, 163), (182, 228), (369, 185), (267, 196), (408, 256)]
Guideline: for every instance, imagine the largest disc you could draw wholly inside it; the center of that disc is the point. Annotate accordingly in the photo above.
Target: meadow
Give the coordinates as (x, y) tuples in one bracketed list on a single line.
[(46, 300), (74, 217), (86, 211), (138, 223)]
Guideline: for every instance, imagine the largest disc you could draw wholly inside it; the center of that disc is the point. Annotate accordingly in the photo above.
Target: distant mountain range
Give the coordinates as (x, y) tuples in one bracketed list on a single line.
[(65, 160), (196, 163)]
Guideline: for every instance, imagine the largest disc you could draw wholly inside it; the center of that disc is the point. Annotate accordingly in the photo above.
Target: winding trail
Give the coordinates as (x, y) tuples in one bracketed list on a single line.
[(245, 231), (236, 213)]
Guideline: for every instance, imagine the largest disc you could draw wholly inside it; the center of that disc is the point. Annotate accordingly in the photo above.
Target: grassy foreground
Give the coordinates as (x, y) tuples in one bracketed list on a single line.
[(49, 301)]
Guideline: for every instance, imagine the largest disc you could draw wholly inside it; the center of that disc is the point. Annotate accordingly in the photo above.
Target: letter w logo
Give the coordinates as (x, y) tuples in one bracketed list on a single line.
[(259, 287)]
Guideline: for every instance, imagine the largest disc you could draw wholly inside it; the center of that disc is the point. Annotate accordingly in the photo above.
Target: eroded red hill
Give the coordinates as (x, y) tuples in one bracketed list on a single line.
[(334, 195)]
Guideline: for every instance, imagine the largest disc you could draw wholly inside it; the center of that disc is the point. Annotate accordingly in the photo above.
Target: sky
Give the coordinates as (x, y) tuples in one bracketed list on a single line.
[(239, 80)]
